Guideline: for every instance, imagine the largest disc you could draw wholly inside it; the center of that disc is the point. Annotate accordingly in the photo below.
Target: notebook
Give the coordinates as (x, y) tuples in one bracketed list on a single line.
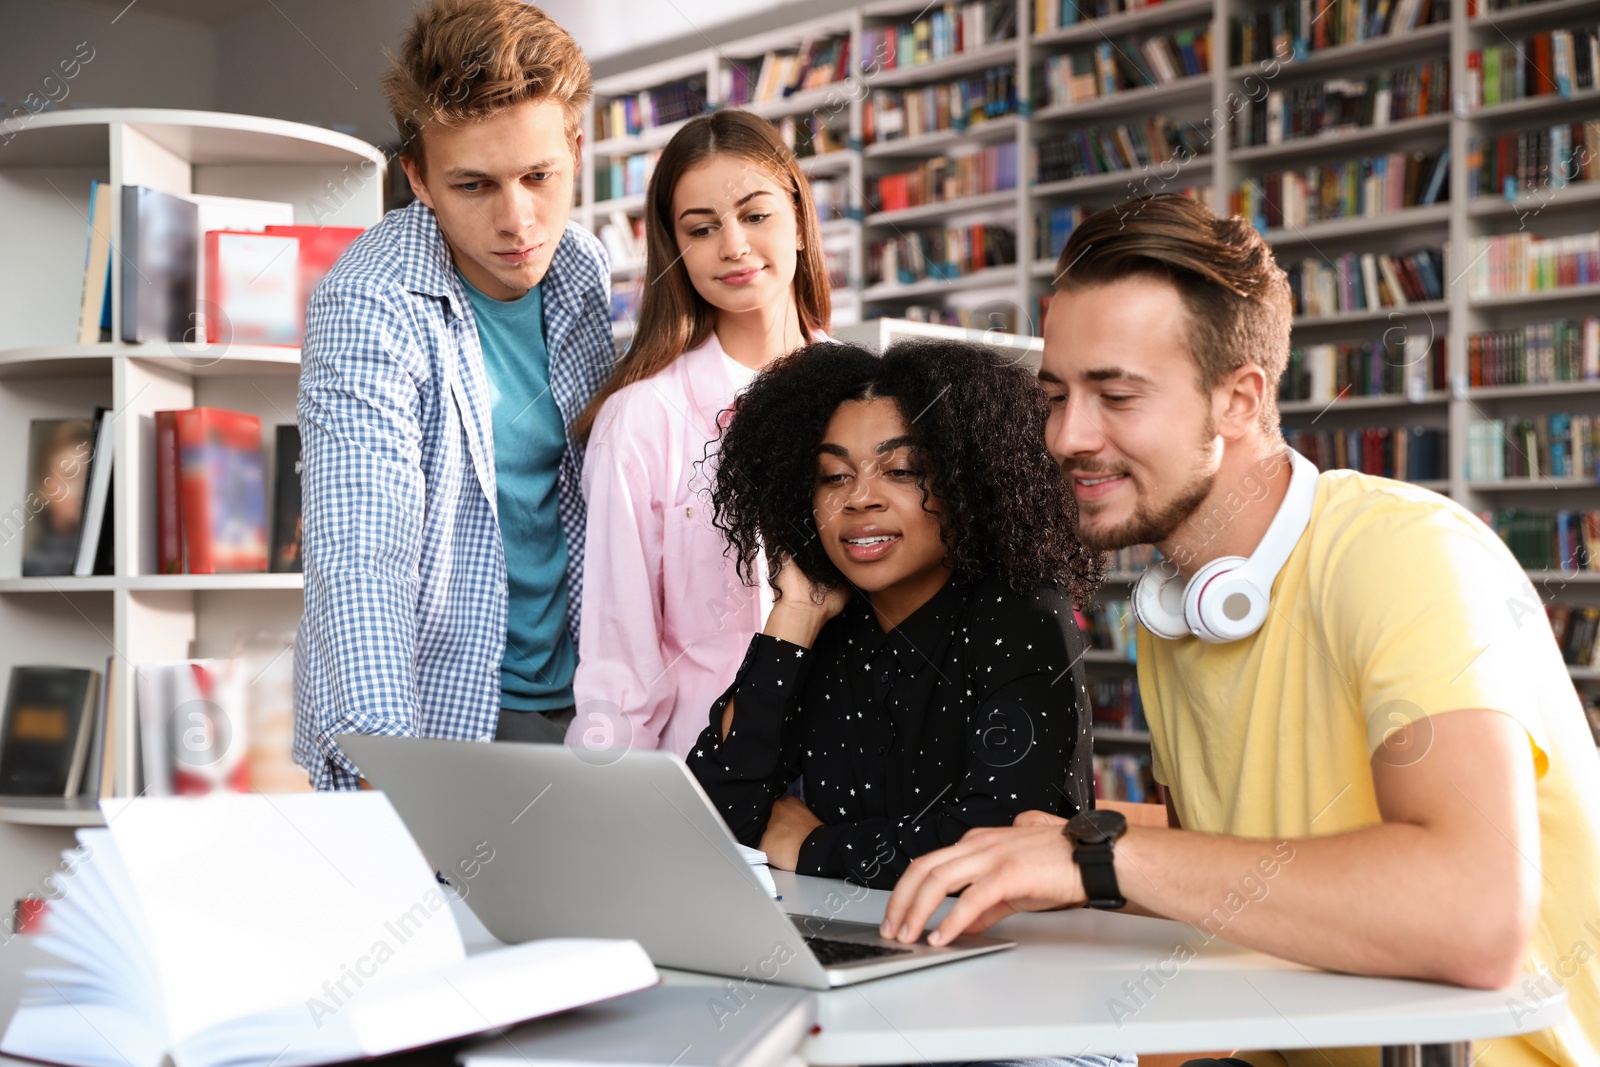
[(287, 930), (682, 1026)]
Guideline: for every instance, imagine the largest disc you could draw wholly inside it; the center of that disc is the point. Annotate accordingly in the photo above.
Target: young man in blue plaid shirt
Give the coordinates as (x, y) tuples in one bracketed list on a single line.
[(445, 356)]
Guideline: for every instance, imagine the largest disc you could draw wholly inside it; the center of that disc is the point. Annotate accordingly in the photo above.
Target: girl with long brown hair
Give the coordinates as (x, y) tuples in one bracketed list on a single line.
[(735, 278)]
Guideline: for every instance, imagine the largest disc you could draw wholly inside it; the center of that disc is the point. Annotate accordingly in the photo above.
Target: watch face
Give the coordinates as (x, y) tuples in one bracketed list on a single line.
[(1099, 825)]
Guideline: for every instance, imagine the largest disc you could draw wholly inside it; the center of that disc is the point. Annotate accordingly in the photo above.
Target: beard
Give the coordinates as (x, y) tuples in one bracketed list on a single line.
[(1149, 525)]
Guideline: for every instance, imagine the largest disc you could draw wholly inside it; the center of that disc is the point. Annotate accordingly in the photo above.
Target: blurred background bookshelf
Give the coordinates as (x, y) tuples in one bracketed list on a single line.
[(1425, 170)]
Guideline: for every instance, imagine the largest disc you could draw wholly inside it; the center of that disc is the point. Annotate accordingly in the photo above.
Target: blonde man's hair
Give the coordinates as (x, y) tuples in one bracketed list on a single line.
[(464, 60)]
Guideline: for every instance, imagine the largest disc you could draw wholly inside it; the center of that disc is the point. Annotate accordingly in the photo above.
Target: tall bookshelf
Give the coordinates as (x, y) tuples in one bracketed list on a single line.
[(1221, 164), (136, 614)]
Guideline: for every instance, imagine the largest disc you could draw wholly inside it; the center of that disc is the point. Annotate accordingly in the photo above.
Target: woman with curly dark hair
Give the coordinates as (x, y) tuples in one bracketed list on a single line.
[(919, 667)]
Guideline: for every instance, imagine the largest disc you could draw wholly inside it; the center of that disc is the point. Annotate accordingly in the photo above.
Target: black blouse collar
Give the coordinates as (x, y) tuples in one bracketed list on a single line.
[(921, 638)]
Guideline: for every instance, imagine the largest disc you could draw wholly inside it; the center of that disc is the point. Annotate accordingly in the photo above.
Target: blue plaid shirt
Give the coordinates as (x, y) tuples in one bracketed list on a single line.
[(405, 575)]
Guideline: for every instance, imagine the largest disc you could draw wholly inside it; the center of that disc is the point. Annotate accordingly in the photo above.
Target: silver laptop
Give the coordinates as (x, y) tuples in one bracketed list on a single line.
[(552, 841)]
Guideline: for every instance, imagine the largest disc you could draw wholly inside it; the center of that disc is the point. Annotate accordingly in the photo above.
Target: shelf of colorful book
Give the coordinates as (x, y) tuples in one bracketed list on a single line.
[(827, 163), (632, 144), (1435, 35), (939, 209), (1112, 735), (1194, 89), (979, 279), (1144, 18), (1546, 296), (1157, 179), (1512, 392), (826, 98), (1368, 403), (1410, 218), (1341, 140), (1380, 314), (1533, 204), (51, 811), (1564, 577), (1515, 18), (989, 55), (1585, 100), (1518, 485), (200, 361), (935, 143)]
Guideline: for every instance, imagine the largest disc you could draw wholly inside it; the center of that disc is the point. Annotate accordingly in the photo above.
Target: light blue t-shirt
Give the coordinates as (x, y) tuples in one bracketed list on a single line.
[(529, 440)]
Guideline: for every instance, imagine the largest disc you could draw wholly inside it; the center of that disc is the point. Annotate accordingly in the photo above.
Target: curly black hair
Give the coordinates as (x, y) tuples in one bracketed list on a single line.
[(977, 427)]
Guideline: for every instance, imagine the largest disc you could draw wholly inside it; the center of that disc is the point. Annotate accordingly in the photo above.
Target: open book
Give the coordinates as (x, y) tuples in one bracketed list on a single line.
[(287, 930)]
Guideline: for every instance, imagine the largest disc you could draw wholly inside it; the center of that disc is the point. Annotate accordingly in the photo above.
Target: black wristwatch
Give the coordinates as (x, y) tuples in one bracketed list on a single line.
[(1093, 834)]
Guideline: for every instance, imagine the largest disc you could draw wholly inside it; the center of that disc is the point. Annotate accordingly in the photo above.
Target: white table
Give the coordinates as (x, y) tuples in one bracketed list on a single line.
[(1057, 992), (1052, 996)]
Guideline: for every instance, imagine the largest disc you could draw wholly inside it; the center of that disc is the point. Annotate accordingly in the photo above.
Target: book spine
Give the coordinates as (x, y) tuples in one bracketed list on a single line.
[(169, 527)]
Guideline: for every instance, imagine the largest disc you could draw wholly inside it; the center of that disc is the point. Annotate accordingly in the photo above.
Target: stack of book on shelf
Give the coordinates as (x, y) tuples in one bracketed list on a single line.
[(1108, 624), (1112, 67), (626, 176), (1366, 281), (205, 269), (1577, 631), (990, 170), (1409, 364), (1549, 540), (1517, 264), (53, 736), (1117, 705), (1324, 108), (623, 237), (890, 114), (1286, 31), (1131, 560), (1052, 227), (211, 494), (933, 33), (1124, 776), (944, 254), (1356, 188), (1006, 317), (632, 114), (66, 515), (1126, 146), (1553, 63), (1558, 445), (1537, 353), (814, 134), (1405, 453), (814, 65), (831, 197), (1542, 157)]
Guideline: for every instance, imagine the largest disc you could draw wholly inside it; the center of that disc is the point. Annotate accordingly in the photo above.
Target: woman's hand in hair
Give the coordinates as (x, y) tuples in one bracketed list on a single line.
[(802, 606), (790, 823)]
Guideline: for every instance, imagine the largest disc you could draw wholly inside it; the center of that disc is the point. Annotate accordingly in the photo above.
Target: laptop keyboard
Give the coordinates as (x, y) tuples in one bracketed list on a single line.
[(830, 952)]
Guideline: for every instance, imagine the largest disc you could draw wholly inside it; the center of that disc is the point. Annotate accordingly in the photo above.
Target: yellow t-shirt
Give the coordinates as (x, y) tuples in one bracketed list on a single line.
[(1395, 604)]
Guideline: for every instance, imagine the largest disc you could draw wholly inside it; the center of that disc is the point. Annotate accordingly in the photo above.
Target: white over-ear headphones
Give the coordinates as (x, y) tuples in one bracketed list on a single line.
[(1228, 598)]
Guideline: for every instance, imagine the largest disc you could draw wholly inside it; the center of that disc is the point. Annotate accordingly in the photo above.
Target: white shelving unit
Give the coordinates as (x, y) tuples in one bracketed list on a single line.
[(136, 615)]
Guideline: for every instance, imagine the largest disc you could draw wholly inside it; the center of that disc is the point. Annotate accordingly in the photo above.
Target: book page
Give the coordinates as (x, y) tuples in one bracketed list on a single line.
[(255, 902)]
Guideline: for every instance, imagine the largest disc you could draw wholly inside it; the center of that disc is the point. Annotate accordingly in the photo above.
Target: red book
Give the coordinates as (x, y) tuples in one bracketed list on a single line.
[(223, 491), (1543, 74), (169, 522), (320, 249)]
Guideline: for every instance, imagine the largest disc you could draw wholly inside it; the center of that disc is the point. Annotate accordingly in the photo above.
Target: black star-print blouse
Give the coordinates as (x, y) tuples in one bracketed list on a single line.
[(969, 712)]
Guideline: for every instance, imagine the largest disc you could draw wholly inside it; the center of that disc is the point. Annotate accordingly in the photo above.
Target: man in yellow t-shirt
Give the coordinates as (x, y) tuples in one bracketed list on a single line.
[(1394, 765)]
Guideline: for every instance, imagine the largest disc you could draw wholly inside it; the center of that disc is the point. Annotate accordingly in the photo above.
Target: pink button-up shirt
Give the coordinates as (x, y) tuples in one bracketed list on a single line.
[(665, 621)]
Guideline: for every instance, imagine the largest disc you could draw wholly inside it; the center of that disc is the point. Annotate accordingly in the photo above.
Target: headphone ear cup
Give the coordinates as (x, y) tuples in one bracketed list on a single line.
[(1219, 607), (1158, 602)]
